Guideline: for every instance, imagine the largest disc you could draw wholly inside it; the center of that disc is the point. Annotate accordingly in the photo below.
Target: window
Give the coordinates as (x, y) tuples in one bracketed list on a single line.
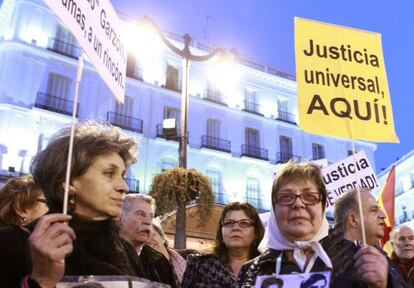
[(216, 185), (411, 179), (252, 137), (213, 128), (172, 82), (253, 192), (125, 109), (43, 141), (317, 151), (285, 148), (58, 86), (171, 112), (283, 105), (250, 101), (64, 42), (133, 68)]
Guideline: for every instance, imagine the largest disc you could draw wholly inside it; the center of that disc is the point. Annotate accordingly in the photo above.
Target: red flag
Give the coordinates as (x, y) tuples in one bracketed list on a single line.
[(386, 200)]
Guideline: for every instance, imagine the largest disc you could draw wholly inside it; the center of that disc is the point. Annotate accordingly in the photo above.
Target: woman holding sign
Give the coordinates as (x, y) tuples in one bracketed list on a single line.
[(42, 253), (298, 245), (296, 225)]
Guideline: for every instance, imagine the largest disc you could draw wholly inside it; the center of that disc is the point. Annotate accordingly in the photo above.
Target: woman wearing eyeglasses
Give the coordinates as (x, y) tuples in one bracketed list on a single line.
[(296, 225), (237, 239)]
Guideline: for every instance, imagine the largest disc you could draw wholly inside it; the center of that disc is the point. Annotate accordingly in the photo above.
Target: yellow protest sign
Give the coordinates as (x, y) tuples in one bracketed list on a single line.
[(342, 82)]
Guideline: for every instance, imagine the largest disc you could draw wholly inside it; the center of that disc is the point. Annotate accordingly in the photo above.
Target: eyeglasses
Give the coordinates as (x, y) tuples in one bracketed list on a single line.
[(243, 223), (307, 198)]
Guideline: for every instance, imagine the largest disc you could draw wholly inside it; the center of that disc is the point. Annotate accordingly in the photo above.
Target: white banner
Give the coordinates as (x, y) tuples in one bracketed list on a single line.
[(97, 28), (346, 174)]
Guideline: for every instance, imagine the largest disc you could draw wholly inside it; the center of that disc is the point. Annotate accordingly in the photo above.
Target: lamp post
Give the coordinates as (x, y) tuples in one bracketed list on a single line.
[(185, 54)]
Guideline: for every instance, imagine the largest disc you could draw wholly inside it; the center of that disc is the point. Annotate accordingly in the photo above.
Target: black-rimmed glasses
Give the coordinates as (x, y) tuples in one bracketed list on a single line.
[(307, 198)]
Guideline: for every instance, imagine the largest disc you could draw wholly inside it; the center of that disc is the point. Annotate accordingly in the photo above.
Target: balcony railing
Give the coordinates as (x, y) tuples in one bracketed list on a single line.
[(215, 143), (254, 152), (133, 185), (214, 96), (55, 104), (161, 135), (221, 198), (285, 117), (68, 49), (125, 122), (173, 85), (283, 157), (252, 107)]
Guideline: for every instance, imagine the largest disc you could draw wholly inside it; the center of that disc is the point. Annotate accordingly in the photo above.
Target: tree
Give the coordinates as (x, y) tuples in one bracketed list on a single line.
[(172, 189)]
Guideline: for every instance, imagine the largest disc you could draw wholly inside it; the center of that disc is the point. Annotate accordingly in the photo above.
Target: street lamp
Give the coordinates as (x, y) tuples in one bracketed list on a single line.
[(186, 56)]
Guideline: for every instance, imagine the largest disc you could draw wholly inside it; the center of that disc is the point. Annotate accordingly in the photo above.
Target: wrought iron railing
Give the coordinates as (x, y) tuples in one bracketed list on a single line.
[(214, 96), (160, 134), (55, 104), (215, 143), (283, 157), (64, 48), (285, 117), (125, 122), (252, 107), (254, 152)]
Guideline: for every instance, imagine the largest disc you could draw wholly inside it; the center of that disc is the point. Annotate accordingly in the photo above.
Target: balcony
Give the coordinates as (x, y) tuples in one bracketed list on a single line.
[(285, 117), (125, 122), (64, 48), (133, 185), (283, 157), (55, 104), (215, 143), (161, 135), (254, 152), (214, 96), (252, 107), (174, 85)]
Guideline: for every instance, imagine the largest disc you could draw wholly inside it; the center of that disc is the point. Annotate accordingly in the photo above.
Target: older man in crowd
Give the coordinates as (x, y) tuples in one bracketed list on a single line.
[(349, 226), (402, 242), (136, 219)]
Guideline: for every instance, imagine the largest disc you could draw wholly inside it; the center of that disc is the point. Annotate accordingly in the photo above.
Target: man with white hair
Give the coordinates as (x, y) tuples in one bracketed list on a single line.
[(402, 242), (136, 219)]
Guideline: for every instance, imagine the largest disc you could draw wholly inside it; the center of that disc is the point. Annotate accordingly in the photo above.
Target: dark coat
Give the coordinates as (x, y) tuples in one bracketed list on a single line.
[(98, 250), (205, 270), (341, 253), (157, 267), (265, 265)]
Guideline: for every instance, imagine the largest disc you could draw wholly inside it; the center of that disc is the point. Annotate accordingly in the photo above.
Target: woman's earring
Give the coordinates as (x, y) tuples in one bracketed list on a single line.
[(72, 203), (23, 220)]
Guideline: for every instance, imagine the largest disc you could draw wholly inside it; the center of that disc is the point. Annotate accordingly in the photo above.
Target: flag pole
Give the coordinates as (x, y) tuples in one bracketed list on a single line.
[(361, 214), (72, 132)]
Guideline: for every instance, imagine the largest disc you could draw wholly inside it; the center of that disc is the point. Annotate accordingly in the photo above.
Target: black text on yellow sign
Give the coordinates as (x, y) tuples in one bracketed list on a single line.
[(342, 82)]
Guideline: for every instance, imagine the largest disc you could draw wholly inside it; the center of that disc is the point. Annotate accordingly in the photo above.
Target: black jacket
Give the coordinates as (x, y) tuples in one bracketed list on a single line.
[(98, 250), (341, 253), (157, 267)]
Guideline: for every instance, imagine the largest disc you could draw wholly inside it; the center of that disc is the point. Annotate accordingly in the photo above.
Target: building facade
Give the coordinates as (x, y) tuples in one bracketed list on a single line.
[(240, 130), (404, 189)]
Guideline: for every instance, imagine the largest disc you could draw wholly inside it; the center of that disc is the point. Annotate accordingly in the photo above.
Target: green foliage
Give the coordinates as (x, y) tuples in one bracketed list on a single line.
[(178, 185)]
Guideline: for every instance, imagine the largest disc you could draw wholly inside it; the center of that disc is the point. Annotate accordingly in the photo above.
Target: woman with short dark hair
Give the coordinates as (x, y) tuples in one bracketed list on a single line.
[(237, 239), (90, 244)]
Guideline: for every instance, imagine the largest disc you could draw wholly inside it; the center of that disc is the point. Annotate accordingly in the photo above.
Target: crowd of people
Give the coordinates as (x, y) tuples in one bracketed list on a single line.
[(109, 232)]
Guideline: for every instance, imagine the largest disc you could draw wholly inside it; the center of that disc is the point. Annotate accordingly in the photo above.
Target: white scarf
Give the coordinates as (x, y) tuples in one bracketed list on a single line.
[(275, 240)]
